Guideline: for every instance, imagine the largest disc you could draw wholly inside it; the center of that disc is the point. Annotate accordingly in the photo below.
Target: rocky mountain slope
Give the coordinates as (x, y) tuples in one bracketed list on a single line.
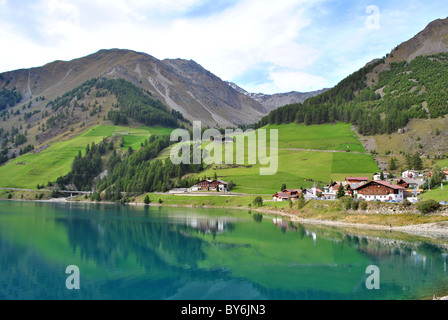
[(432, 40), (181, 85)]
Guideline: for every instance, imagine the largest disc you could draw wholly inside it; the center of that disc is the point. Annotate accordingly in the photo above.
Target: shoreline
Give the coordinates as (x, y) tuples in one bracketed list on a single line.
[(429, 230)]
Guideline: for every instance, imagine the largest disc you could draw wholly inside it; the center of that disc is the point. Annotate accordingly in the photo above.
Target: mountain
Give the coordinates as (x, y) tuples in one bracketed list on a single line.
[(273, 101), (432, 40), (181, 85), (383, 97)]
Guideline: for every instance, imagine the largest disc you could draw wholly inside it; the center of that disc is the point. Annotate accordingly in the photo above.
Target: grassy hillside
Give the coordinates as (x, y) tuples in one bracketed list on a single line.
[(31, 169), (297, 168), (437, 194), (306, 154), (427, 135), (323, 137)]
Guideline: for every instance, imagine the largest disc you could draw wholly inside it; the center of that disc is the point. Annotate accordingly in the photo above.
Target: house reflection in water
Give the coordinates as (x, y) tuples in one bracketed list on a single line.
[(206, 225)]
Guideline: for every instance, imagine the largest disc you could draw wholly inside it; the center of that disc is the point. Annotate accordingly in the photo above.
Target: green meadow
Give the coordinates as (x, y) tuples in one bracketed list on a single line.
[(436, 194), (300, 168), (443, 163), (337, 137), (32, 169)]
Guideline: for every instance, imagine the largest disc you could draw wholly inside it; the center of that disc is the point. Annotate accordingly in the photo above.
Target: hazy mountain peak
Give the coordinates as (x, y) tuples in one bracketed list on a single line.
[(274, 101)]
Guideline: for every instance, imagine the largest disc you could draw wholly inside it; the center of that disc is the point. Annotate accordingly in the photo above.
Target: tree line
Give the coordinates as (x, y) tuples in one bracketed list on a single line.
[(412, 90), (132, 173)]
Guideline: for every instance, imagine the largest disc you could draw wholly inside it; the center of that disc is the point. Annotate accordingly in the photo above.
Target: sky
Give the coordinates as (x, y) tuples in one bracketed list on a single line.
[(261, 45)]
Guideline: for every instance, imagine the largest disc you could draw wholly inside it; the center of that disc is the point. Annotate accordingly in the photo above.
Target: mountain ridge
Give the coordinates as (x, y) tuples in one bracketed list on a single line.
[(274, 101), (182, 85), (385, 95)]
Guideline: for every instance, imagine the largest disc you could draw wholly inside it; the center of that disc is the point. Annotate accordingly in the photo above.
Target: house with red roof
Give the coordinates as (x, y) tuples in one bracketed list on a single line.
[(380, 191), (355, 182), (284, 196), (210, 185)]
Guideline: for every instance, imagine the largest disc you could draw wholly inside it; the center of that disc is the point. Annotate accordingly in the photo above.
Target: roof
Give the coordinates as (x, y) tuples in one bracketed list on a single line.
[(292, 190), (413, 181), (219, 182), (383, 183), (283, 195), (357, 179), (205, 181)]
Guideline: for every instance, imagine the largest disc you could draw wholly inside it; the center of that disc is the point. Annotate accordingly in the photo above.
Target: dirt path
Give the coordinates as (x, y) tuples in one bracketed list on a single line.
[(316, 150), (369, 143)]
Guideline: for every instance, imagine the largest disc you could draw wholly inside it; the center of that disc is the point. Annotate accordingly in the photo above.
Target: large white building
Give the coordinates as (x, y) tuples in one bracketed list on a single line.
[(380, 191)]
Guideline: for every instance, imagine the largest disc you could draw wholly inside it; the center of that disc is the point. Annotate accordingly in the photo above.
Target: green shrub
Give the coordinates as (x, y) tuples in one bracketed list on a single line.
[(364, 205), (426, 207), (258, 202), (347, 202)]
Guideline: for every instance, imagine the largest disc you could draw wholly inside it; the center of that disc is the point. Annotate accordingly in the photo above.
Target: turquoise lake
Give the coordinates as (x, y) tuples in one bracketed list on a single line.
[(152, 253)]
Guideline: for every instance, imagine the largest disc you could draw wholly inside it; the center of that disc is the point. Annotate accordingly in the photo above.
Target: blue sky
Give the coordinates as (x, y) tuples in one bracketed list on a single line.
[(263, 46)]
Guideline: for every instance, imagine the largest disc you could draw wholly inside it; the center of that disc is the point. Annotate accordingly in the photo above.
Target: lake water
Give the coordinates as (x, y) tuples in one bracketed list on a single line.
[(177, 253)]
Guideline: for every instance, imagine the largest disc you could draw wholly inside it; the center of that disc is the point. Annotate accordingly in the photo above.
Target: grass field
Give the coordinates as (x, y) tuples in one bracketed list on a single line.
[(31, 169), (437, 194), (443, 163), (321, 137), (297, 168), (133, 137)]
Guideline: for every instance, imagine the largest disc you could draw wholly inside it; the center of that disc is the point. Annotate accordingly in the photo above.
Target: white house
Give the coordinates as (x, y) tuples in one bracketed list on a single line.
[(377, 176), (380, 191), (410, 174)]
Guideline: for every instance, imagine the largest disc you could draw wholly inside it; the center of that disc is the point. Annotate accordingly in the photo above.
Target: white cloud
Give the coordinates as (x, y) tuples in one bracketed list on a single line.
[(58, 17), (231, 42), (228, 43)]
